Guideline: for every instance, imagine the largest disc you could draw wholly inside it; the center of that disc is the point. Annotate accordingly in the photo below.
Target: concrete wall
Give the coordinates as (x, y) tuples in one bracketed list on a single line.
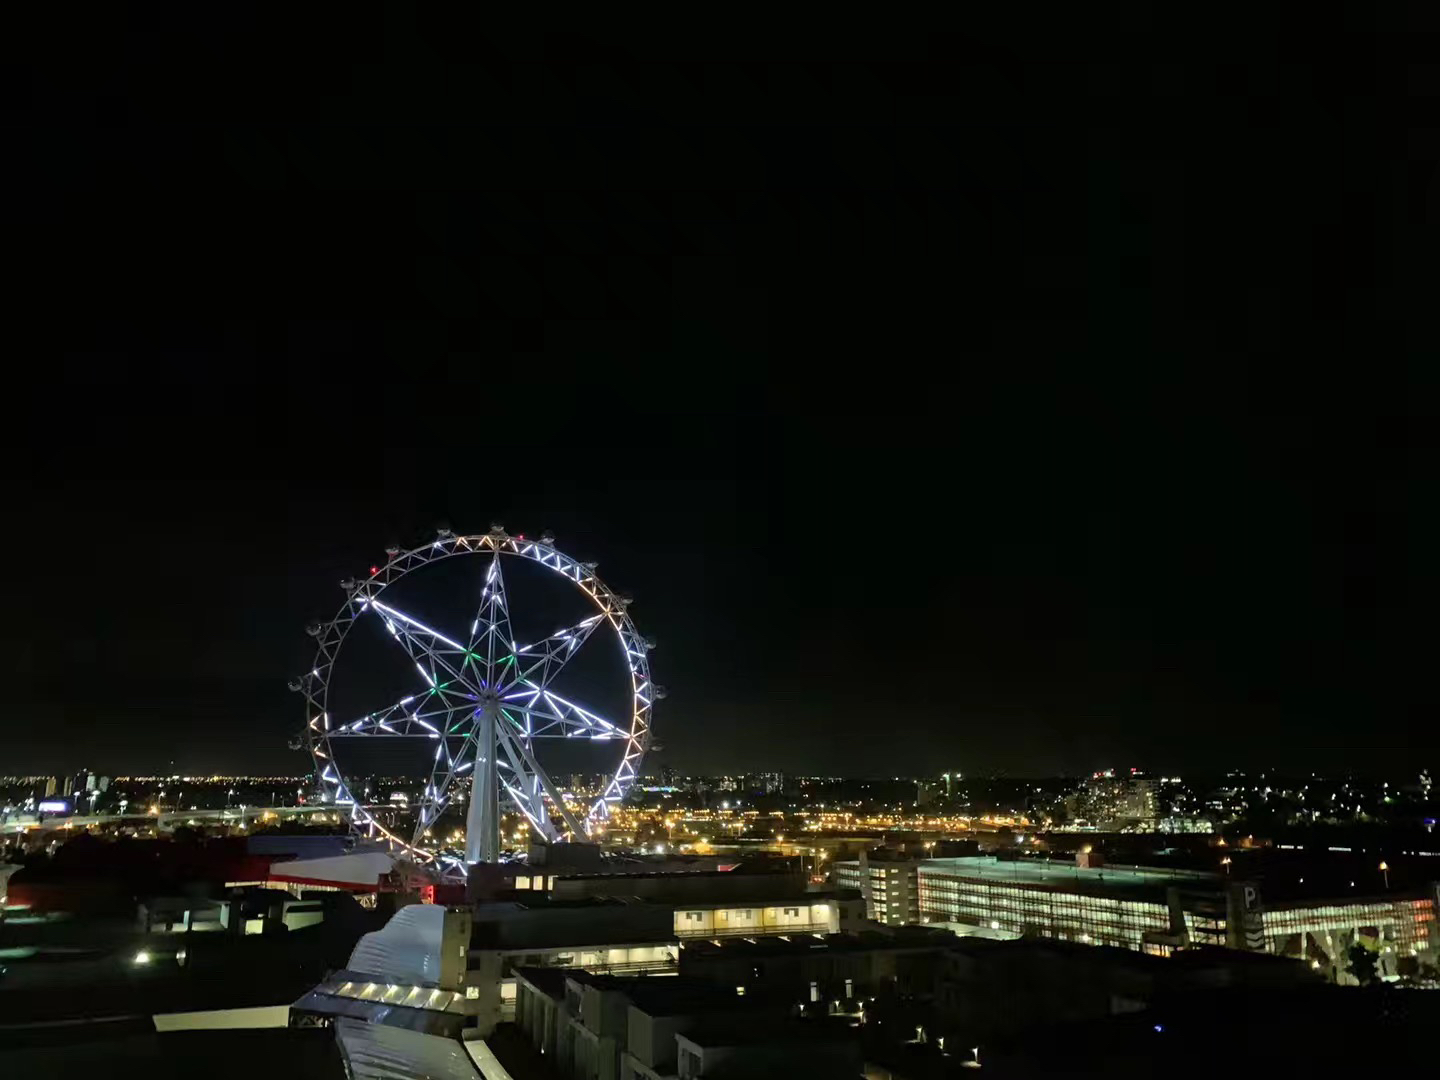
[(540, 1017), (651, 1040), (455, 948), (482, 980)]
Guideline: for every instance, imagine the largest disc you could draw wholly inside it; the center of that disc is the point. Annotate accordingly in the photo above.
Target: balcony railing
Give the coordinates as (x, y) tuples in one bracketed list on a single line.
[(754, 931)]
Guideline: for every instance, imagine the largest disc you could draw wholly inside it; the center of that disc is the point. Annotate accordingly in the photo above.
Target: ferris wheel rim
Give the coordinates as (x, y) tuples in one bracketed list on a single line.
[(362, 594)]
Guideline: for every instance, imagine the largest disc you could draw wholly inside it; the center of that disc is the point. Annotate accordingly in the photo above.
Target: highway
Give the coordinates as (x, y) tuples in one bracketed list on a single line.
[(168, 819)]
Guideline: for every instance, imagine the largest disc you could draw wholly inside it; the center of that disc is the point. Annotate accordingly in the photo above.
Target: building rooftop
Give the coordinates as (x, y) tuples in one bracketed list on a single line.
[(549, 981), (679, 996), (1015, 950), (567, 925), (905, 937), (214, 1054), (820, 896), (428, 1021), (378, 1052), (671, 996), (1285, 881), (1065, 874), (609, 874), (745, 1031)]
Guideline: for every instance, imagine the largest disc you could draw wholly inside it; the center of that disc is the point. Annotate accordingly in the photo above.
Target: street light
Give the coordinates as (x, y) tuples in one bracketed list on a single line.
[(1385, 869), (1225, 862)]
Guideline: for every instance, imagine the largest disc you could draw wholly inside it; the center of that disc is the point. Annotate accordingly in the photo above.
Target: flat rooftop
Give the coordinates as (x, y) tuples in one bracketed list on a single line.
[(758, 900), (674, 995), (904, 937), (743, 1030), (671, 875), (1064, 874), (181, 1055)]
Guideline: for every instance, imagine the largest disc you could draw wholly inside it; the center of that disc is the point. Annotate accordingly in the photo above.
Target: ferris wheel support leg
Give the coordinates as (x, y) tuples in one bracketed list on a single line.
[(482, 817), (539, 775), (527, 798)]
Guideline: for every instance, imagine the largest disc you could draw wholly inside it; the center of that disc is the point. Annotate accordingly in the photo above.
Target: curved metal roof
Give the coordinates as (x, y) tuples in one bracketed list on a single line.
[(404, 950)]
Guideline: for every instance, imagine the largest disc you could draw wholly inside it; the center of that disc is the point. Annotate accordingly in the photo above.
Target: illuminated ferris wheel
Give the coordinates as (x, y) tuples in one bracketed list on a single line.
[(486, 702)]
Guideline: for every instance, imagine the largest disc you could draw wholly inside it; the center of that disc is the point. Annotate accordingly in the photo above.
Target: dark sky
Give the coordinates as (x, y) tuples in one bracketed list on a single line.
[(949, 405)]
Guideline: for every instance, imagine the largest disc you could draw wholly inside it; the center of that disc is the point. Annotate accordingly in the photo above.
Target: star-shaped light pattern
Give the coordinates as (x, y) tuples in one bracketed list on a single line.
[(483, 703)]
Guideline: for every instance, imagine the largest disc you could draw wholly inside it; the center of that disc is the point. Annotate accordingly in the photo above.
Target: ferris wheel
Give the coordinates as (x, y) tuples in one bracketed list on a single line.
[(486, 701)]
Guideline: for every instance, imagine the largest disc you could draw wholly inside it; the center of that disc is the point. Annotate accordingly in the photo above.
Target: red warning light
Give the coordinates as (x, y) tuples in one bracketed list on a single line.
[(519, 536), (374, 570)]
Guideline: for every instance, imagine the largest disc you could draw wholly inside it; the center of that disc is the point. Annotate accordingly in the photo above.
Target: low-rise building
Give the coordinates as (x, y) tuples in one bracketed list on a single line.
[(598, 1027), (888, 883), (601, 936), (613, 937), (777, 1049), (608, 1026), (1129, 907), (1160, 909), (829, 968), (814, 913), (989, 989)]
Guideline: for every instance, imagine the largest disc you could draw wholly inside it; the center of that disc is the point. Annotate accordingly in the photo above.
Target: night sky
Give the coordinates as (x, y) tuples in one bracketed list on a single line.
[(952, 406)]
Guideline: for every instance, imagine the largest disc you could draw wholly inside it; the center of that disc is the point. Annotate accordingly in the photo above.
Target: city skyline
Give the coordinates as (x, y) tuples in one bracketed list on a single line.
[(1417, 772), (1039, 645)]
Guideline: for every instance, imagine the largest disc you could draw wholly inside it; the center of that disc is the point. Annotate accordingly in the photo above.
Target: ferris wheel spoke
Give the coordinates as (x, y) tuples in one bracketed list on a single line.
[(439, 654), (492, 648), (548, 715), (538, 664), (437, 797), (422, 716)]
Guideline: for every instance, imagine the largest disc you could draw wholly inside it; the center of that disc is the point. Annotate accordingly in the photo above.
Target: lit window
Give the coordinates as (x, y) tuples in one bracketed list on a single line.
[(523, 882), (814, 991)]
